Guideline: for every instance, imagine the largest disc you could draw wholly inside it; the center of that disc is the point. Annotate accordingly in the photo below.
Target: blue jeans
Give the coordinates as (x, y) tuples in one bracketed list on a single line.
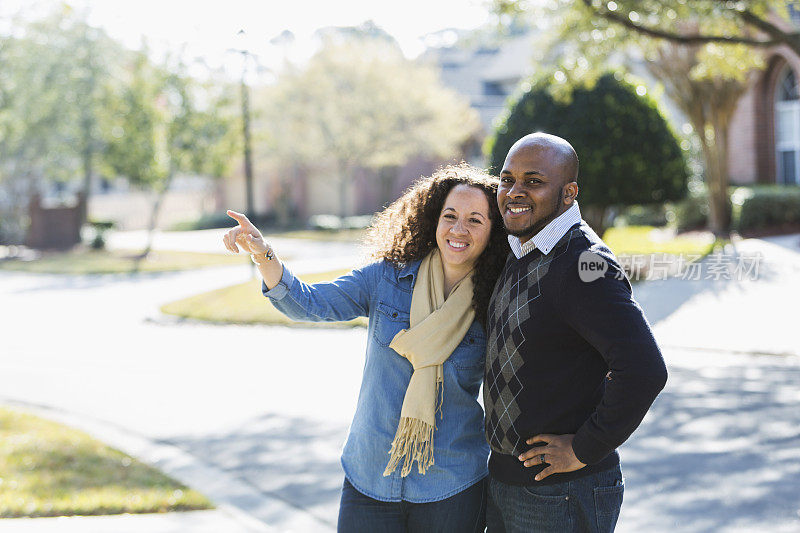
[(464, 512), (587, 504)]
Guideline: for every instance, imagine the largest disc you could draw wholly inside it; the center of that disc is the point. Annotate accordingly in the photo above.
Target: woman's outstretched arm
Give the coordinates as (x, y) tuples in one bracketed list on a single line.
[(344, 298)]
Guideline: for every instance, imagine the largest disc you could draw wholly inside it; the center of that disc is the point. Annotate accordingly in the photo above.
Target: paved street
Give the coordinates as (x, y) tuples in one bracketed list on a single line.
[(720, 451)]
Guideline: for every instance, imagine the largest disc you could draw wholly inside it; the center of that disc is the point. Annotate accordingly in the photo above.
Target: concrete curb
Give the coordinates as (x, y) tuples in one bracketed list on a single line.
[(209, 521), (231, 495)]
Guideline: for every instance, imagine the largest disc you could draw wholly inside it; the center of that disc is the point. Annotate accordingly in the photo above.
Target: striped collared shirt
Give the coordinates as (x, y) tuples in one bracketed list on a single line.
[(550, 234)]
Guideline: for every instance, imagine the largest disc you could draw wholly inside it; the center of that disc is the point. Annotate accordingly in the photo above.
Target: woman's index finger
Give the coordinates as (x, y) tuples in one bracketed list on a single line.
[(241, 218)]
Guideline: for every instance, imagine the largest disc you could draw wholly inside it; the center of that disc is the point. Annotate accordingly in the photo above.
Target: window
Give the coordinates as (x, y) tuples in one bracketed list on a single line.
[(794, 13), (787, 88), (491, 88), (787, 128)]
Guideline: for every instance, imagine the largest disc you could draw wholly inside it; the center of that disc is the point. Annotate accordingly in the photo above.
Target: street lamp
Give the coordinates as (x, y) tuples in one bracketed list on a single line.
[(248, 152)]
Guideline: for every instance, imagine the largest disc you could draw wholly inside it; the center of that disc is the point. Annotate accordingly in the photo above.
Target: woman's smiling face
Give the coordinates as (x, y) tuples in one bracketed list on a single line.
[(464, 227)]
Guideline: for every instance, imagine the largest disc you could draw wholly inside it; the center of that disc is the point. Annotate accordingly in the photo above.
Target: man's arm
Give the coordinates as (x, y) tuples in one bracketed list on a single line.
[(605, 314)]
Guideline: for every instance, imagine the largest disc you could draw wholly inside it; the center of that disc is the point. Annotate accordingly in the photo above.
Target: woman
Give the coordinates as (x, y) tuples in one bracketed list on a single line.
[(439, 250)]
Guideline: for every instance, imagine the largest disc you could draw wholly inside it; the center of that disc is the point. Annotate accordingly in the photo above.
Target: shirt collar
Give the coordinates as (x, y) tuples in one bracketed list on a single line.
[(409, 269), (549, 235)]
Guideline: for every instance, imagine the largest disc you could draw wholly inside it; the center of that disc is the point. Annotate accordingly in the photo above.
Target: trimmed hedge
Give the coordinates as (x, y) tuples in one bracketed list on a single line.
[(691, 213), (755, 208), (644, 215), (765, 207), (628, 153)]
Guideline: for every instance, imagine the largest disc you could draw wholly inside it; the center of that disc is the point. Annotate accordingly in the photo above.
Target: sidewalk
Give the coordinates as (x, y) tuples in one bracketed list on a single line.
[(752, 316), (218, 521)]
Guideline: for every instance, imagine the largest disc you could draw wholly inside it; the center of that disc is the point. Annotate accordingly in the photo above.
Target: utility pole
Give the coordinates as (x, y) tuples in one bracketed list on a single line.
[(248, 152)]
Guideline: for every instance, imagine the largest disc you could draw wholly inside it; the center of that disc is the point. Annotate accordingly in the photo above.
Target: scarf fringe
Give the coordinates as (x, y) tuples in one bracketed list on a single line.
[(439, 394), (413, 442)]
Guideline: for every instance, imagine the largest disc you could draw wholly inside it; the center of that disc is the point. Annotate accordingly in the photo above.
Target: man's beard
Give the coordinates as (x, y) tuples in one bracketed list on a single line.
[(525, 232), (539, 225)]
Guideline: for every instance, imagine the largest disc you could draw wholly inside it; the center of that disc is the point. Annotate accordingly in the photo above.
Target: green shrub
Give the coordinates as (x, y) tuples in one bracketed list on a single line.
[(326, 222), (691, 213), (98, 233), (643, 215), (765, 207), (628, 154), (755, 208), (221, 220), (335, 222), (205, 221)]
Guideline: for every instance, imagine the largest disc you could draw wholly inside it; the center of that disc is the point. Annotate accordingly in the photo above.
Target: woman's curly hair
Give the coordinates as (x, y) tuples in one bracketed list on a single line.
[(406, 230)]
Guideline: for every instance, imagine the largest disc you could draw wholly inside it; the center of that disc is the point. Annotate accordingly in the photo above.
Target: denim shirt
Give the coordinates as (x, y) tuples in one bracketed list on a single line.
[(383, 293)]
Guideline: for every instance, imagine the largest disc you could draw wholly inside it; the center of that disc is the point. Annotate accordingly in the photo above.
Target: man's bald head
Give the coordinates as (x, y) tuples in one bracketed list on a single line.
[(559, 151), (537, 183)]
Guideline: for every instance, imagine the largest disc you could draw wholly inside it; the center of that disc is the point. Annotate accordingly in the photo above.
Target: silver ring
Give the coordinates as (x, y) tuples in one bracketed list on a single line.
[(541, 458)]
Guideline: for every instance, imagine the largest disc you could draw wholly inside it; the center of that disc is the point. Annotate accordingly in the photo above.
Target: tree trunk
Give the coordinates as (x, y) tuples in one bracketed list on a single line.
[(595, 216), (709, 104), (387, 177), (715, 153), (87, 185), (86, 155), (248, 152), (344, 178), (159, 200)]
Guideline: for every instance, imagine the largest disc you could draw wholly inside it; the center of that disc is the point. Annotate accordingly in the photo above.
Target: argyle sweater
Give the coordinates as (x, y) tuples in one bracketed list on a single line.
[(568, 352)]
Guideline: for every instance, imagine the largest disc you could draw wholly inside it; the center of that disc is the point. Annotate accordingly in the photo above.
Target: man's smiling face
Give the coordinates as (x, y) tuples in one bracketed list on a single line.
[(535, 186)]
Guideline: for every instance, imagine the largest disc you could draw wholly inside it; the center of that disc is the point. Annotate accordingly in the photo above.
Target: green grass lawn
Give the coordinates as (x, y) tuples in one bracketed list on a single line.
[(86, 261), (634, 240), (244, 304), (47, 469)]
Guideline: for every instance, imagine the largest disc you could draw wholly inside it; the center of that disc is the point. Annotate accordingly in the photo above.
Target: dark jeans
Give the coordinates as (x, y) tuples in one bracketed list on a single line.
[(464, 512), (587, 504)]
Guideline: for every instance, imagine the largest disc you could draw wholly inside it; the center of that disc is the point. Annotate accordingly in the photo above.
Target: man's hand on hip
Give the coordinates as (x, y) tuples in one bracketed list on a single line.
[(557, 452)]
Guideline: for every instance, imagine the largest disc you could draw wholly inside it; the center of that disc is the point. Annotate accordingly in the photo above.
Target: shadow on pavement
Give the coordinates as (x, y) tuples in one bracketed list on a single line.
[(659, 299), (732, 272), (720, 451), (292, 459), (789, 242)]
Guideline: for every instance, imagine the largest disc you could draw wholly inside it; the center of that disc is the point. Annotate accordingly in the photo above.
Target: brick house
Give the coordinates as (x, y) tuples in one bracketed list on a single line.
[(764, 139)]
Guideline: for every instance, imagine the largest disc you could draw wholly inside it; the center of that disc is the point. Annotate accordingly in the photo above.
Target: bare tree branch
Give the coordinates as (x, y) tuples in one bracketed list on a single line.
[(776, 33), (776, 38)]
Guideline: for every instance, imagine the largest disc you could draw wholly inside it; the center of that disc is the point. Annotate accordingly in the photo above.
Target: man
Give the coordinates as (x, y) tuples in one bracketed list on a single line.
[(571, 366)]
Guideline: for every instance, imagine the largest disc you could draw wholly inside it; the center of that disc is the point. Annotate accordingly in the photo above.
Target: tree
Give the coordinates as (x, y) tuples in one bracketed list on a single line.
[(73, 100), (157, 128), (709, 103), (359, 103), (52, 83), (755, 23), (700, 50), (628, 155)]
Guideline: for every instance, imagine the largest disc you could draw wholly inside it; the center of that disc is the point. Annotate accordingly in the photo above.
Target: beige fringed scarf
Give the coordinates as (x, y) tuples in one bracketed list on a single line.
[(437, 327)]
